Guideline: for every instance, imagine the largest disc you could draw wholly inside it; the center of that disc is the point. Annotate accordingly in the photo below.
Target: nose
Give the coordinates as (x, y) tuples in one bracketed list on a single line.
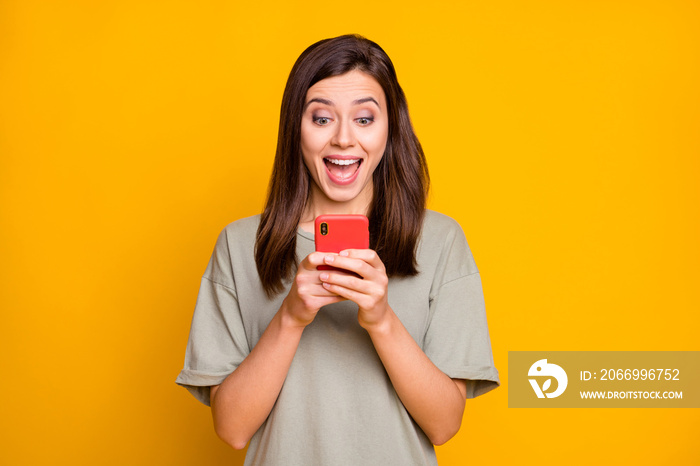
[(344, 135)]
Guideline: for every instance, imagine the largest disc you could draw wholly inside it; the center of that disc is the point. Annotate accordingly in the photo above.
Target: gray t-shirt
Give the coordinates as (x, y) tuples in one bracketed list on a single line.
[(337, 405)]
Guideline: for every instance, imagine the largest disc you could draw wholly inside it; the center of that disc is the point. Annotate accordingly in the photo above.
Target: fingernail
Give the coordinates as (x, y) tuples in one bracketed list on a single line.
[(324, 276), (344, 253), (329, 258)]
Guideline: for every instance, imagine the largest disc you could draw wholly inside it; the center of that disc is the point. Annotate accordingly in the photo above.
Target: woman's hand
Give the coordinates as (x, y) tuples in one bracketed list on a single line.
[(368, 291), (245, 398), (435, 401), (307, 294)]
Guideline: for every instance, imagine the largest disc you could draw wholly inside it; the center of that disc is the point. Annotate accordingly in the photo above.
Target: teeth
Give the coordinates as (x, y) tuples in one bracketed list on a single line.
[(343, 162)]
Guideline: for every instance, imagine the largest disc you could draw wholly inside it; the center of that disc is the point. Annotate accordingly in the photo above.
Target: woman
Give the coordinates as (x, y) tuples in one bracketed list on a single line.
[(325, 367)]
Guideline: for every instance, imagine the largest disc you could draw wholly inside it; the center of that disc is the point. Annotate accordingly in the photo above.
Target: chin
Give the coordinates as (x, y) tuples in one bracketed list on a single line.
[(342, 197)]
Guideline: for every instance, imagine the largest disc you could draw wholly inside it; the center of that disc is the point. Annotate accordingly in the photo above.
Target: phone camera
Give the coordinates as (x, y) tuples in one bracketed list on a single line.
[(324, 228)]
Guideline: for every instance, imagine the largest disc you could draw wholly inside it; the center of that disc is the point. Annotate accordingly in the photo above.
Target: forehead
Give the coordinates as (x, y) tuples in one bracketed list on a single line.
[(349, 86)]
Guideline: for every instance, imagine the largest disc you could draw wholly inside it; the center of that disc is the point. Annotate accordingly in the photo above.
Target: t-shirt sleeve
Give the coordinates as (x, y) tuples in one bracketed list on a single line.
[(217, 343), (457, 339)]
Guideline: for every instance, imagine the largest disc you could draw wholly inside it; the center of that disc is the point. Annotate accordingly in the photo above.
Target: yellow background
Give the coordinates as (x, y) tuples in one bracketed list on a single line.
[(562, 135)]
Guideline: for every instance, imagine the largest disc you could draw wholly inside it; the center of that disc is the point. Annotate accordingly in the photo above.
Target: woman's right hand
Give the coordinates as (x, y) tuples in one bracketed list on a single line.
[(308, 294), (242, 402)]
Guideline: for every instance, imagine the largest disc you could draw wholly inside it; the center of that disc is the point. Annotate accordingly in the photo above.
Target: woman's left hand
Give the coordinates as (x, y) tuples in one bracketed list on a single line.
[(433, 400), (368, 291)]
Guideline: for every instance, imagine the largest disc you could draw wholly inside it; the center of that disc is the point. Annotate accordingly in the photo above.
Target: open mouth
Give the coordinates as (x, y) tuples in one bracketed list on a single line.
[(342, 170)]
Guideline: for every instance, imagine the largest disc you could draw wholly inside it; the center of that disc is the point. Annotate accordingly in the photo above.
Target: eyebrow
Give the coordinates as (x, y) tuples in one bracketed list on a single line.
[(365, 99), (331, 104)]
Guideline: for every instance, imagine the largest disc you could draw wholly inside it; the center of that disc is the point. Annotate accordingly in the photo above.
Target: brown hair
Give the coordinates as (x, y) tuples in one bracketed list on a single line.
[(400, 180)]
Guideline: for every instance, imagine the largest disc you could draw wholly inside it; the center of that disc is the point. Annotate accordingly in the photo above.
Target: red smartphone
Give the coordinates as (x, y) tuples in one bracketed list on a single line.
[(334, 233)]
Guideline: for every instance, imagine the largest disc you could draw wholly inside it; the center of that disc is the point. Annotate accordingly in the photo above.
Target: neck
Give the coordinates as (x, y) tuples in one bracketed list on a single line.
[(319, 204)]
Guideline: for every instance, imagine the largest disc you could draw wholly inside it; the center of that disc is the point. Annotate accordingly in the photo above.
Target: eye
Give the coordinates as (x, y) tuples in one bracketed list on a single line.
[(321, 121), (364, 121)]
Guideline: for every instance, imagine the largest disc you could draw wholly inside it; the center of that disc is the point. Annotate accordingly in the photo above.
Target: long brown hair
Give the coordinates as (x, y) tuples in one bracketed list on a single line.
[(400, 180)]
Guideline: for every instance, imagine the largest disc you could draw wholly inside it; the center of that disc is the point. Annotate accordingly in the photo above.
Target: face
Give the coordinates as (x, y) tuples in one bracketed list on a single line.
[(344, 130)]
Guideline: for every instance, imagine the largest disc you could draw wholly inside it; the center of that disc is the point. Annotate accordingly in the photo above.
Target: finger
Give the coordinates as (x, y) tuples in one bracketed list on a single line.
[(359, 266), (315, 297), (358, 298), (332, 299), (313, 289), (368, 255), (313, 260), (347, 281), (321, 291)]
